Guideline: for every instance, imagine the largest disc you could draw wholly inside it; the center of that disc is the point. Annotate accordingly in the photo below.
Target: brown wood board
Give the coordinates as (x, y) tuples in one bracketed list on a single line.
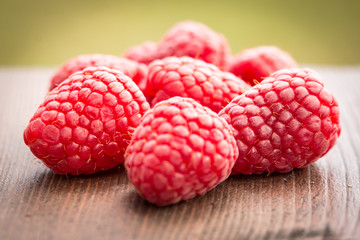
[(321, 201)]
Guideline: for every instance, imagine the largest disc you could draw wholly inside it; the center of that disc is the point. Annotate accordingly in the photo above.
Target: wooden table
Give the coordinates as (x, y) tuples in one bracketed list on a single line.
[(319, 202)]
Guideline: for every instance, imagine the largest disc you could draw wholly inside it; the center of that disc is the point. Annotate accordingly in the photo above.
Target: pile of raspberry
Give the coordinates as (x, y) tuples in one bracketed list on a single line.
[(183, 114)]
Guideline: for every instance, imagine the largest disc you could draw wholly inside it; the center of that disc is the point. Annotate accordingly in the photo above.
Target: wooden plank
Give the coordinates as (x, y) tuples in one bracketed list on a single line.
[(319, 202)]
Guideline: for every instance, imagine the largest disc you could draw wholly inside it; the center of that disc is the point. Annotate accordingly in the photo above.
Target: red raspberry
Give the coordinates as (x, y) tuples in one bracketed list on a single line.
[(180, 149), (288, 121), (188, 77), (255, 64), (143, 53), (137, 72), (84, 124), (195, 40)]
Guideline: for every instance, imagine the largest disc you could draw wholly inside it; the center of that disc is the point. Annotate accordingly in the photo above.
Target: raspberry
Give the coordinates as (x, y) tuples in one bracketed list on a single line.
[(255, 64), (195, 40), (180, 150), (188, 77), (143, 53), (288, 121), (84, 124), (133, 69)]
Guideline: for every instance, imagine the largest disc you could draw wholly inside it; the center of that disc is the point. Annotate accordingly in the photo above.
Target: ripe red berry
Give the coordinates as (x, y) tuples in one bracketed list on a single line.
[(255, 64), (180, 150), (288, 121), (136, 71), (188, 77), (143, 53), (195, 40), (84, 125)]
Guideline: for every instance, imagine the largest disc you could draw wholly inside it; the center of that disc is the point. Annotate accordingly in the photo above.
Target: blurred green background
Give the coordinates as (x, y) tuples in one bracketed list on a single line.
[(48, 32)]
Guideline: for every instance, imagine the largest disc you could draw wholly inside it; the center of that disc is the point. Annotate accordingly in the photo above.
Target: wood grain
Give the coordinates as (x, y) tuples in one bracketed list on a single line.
[(319, 202)]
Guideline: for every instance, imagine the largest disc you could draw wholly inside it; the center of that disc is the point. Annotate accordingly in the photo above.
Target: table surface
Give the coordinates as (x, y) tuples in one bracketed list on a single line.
[(321, 201)]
